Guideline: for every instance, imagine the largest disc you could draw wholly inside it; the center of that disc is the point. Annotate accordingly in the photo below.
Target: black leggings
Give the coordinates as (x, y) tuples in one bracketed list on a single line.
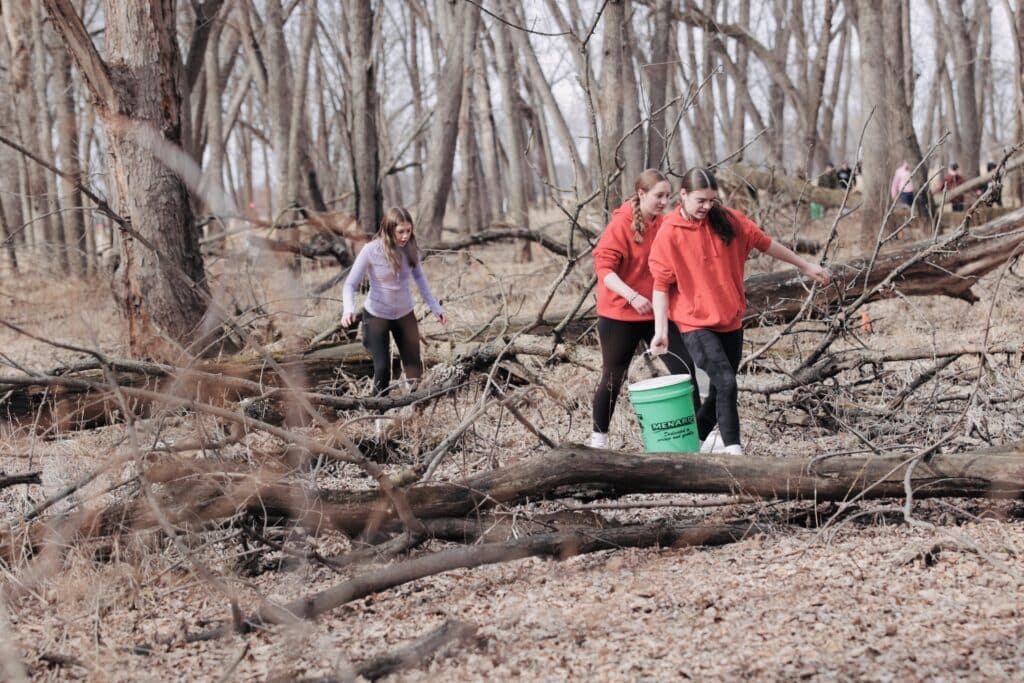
[(376, 341), (718, 354), (619, 339)]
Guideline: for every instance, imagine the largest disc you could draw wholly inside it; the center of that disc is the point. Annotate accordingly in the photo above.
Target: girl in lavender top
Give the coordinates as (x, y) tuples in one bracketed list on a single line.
[(389, 260)]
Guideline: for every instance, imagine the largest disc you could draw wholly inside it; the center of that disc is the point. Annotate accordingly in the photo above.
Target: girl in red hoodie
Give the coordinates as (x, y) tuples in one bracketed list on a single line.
[(697, 261), (624, 284)]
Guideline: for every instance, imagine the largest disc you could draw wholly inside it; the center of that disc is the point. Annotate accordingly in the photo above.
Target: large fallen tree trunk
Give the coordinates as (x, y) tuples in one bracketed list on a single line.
[(951, 271), (551, 475)]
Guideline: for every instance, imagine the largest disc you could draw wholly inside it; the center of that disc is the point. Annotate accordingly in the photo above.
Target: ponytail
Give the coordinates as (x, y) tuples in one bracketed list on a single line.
[(698, 178)]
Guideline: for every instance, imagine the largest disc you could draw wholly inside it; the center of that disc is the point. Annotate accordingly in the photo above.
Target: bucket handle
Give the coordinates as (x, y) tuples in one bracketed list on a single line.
[(693, 372)]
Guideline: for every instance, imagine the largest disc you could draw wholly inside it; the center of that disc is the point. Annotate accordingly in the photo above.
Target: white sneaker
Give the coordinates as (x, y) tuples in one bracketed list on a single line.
[(713, 443), (598, 440), (733, 449)]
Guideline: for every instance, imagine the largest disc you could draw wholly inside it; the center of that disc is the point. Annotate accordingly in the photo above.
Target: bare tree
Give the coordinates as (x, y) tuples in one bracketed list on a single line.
[(67, 147), (437, 178), (518, 208), (870, 29), (363, 93), (137, 92), (963, 52)]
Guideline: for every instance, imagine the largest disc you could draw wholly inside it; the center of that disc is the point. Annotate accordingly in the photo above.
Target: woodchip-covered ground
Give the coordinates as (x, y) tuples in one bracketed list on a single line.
[(823, 596)]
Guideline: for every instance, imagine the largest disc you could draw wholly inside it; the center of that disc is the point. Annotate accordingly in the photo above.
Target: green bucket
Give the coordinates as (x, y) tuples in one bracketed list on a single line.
[(664, 408)]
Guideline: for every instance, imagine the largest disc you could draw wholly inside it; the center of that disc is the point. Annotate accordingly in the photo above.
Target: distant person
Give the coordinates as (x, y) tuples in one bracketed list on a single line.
[(844, 176), (902, 188), (698, 261), (624, 286), (389, 260), (829, 178), (951, 181), (997, 191)]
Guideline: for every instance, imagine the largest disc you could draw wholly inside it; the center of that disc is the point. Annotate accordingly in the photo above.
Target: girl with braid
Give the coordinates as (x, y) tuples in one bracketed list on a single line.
[(697, 262), (624, 285), (389, 261)]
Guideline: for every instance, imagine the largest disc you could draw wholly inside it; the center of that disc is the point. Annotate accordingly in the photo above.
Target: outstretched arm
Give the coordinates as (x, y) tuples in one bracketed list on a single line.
[(811, 270)]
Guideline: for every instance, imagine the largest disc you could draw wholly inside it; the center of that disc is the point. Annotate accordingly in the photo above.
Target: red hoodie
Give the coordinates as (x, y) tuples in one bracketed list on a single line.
[(616, 252), (707, 274)]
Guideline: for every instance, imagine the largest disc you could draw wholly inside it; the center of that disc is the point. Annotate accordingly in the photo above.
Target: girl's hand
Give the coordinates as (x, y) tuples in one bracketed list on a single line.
[(443, 317), (348, 319), (641, 304), (818, 274), (659, 344)]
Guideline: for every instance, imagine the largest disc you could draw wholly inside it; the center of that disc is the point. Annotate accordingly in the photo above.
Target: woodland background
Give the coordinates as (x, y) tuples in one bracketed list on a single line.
[(192, 487)]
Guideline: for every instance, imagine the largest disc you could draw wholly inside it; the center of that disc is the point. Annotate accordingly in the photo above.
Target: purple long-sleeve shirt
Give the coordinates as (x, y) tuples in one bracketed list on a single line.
[(390, 296)]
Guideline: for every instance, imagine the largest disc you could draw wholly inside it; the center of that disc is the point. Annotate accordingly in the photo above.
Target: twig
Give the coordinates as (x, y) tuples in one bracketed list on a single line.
[(14, 480), (408, 656)]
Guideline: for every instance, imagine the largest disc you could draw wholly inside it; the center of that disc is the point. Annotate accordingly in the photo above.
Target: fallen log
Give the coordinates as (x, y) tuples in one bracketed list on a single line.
[(553, 474), (771, 180), (774, 298), (80, 397), (16, 479), (559, 545)]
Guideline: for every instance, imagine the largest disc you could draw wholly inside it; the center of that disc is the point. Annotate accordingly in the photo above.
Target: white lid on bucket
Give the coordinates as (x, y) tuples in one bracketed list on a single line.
[(658, 382)]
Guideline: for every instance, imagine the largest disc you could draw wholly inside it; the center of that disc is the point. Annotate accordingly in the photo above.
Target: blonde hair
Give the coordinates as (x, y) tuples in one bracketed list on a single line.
[(646, 182), (394, 217)]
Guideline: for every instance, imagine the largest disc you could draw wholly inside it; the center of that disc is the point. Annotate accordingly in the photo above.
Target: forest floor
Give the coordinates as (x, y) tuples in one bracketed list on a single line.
[(820, 596)]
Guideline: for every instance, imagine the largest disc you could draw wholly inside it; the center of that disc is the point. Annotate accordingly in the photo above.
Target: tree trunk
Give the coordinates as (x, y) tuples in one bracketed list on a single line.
[(437, 178), (363, 94), (900, 111), (633, 144), (214, 176), (968, 120), (877, 137), (162, 288), (776, 92), (611, 99), (505, 62), (488, 145), (1017, 186), (49, 217), (657, 81), (469, 194), (551, 106), (67, 144), (278, 99)]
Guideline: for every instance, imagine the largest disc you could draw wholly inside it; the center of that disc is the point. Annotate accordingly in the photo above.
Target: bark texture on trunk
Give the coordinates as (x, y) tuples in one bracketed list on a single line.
[(363, 93), (161, 288)]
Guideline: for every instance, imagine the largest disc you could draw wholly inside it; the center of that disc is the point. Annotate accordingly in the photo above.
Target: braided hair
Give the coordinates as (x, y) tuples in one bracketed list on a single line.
[(698, 178), (646, 182)]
